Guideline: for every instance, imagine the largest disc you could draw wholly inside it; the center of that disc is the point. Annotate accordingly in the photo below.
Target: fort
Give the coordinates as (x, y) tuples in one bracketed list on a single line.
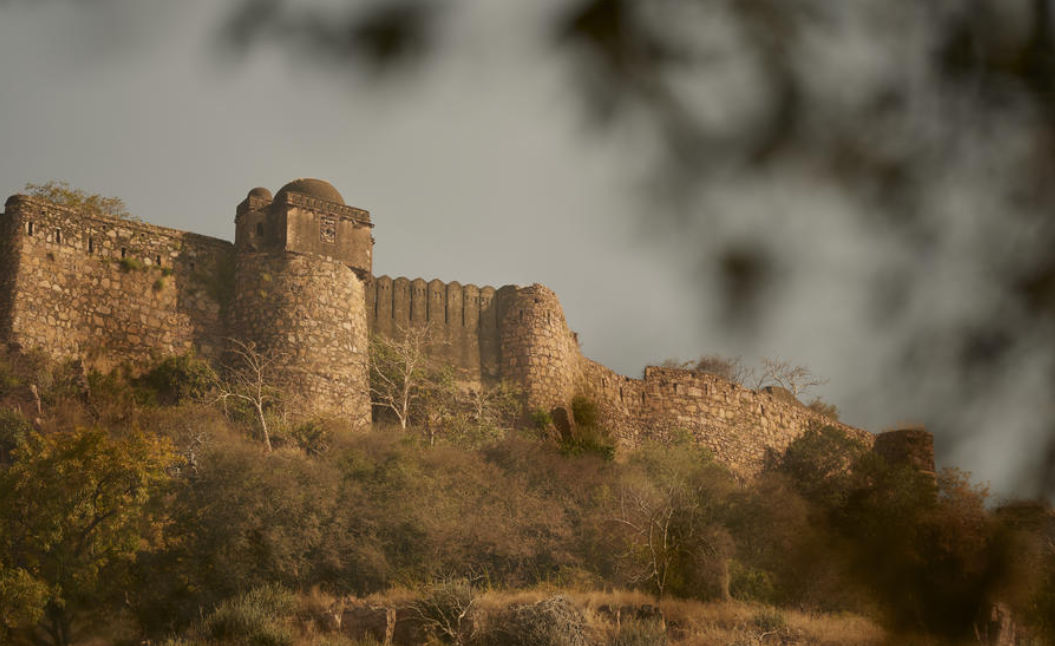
[(298, 281)]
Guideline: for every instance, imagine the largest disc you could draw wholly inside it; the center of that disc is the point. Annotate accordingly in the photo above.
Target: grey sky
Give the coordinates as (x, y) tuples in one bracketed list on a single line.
[(483, 170)]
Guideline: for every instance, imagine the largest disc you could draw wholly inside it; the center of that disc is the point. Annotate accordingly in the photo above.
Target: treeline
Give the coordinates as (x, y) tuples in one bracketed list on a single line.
[(132, 508)]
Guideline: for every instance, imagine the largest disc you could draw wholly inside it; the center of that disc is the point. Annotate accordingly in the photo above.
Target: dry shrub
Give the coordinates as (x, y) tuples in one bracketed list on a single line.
[(555, 621), (318, 611), (444, 608), (640, 633), (256, 617), (693, 623)]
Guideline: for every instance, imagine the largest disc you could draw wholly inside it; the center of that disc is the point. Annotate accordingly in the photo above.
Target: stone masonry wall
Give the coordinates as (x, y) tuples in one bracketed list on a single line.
[(114, 291), (463, 320), (540, 354), (309, 312), (107, 290), (738, 424), (538, 351)]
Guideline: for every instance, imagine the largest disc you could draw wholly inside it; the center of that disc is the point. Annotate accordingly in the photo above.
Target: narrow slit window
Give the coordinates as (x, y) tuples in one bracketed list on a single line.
[(29, 228), (123, 252), (157, 260), (58, 236), (91, 245)]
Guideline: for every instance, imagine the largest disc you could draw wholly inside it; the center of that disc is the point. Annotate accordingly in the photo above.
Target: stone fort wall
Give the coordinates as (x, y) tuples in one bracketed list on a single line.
[(520, 335), (113, 291), (462, 320), (739, 425), (107, 290)]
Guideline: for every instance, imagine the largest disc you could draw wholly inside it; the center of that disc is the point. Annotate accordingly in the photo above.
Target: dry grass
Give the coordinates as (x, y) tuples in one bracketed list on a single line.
[(726, 623), (689, 623)]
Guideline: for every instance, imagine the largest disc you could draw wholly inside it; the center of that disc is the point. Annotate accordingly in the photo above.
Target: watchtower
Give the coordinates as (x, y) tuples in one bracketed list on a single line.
[(306, 216)]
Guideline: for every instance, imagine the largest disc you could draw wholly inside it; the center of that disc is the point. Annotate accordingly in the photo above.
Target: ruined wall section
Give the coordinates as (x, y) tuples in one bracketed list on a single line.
[(462, 320), (738, 424), (622, 401), (108, 290), (308, 313)]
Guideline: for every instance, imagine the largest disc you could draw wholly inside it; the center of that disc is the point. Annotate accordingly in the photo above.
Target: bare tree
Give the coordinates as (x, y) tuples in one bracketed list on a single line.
[(493, 405), (728, 368), (653, 545), (444, 608), (795, 379), (399, 370), (669, 529), (251, 378)]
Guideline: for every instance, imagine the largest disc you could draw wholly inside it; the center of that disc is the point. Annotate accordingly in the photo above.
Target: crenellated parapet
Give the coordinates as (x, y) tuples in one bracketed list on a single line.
[(462, 320)]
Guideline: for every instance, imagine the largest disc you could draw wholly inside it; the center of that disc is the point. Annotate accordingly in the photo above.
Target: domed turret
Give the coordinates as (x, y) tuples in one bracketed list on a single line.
[(306, 216), (260, 193), (316, 188)]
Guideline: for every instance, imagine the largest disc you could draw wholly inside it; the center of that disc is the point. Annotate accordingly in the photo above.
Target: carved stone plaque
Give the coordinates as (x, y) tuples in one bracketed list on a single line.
[(328, 229)]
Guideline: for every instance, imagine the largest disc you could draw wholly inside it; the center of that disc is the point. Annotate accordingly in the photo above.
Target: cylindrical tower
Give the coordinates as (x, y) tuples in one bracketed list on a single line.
[(538, 351), (308, 312)]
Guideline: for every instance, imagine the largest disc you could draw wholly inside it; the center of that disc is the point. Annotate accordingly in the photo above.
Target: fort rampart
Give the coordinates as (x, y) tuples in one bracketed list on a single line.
[(741, 426), (108, 290), (298, 284), (462, 320)]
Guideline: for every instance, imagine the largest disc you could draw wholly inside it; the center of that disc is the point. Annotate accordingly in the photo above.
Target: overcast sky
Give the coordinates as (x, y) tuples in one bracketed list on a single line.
[(481, 169)]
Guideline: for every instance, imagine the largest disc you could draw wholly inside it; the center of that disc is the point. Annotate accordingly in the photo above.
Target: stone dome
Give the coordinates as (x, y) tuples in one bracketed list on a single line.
[(316, 188), (261, 193)]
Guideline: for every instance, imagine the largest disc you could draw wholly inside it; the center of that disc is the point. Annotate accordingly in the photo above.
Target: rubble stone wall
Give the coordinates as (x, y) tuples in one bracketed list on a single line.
[(306, 314), (107, 290)]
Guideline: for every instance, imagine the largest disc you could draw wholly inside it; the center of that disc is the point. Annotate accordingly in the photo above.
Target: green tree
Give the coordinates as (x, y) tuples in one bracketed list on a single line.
[(93, 203), (819, 465), (74, 507)]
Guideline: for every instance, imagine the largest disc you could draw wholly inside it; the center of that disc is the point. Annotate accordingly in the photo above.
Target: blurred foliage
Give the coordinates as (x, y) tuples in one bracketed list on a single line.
[(927, 127)]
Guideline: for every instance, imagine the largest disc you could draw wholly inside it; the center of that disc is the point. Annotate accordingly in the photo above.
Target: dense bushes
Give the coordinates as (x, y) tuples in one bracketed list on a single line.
[(202, 528)]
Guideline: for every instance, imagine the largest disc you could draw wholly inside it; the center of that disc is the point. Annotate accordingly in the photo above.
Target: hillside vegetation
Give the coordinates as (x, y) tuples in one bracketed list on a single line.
[(149, 508)]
